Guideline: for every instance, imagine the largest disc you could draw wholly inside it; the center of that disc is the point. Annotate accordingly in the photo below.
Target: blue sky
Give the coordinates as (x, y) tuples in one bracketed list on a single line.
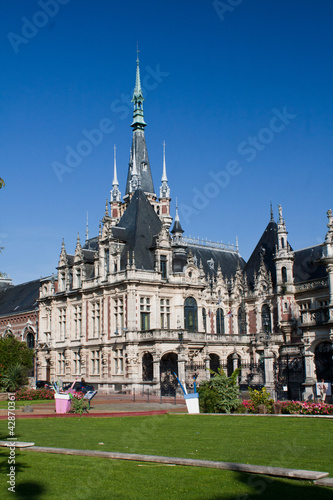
[(217, 78)]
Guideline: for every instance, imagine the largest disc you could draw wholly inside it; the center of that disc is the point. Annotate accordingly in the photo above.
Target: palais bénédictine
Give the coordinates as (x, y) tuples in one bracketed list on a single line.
[(141, 301)]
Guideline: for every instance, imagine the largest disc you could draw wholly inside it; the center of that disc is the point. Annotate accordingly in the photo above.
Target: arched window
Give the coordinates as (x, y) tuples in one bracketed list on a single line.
[(220, 321), (214, 363), (30, 340), (282, 242), (266, 319), (8, 333), (191, 314), (241, 321), (324, 361), (284, 274), (233, 362), (168, 369), (204, 319), (147, 367)]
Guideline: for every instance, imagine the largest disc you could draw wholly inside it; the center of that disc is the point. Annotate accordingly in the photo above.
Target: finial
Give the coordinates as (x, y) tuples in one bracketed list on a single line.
[(237, 243), (106, 208), (100, 229), (137, 51), (115, 180), (272, 215), (177, 214), (87, 229), (280, 214), (78, 239), (164, 175)]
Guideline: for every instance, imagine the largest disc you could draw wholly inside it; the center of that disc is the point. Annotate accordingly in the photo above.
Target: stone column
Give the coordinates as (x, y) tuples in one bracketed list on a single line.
[(207, 366), (234, 361), (269, 372), (310, 377), (181, 364)]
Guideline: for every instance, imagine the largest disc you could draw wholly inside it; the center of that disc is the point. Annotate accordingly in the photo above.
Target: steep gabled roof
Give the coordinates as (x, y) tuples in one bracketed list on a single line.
[(212, 257), (307, 264), (19, 298), (141, 224), (266, 247)]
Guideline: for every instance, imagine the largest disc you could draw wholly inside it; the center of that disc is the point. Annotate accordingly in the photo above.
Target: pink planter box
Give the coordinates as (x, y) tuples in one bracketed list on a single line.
[(63, 403)]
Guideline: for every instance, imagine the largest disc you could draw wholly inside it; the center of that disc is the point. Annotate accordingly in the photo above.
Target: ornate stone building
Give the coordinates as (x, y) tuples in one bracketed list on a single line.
[(140, 301)]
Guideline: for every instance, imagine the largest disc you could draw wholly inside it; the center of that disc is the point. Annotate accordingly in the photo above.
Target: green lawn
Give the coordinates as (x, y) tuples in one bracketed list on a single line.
[(18, 404), (289, 442)]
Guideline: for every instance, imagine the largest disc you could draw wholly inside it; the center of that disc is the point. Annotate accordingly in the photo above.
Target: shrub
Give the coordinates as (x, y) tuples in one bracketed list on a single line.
[(14, 377), (26, 394), (220, 394), (258, 398), (78, 404)]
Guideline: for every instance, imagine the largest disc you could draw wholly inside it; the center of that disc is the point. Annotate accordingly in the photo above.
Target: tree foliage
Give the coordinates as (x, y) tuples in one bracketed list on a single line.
[(14, 352), (14, 377), (220, 394)]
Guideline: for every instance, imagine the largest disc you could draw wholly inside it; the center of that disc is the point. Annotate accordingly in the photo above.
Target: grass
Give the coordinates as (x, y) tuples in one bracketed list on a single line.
[(286, 442), (18, 404)]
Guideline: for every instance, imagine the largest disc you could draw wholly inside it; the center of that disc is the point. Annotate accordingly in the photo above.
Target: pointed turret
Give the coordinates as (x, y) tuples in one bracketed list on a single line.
[(327, 258), (78, 249), (139, 173), (284, 257), (177, 228), (87, 230), (115, 194), (164, 208), (164, 189)]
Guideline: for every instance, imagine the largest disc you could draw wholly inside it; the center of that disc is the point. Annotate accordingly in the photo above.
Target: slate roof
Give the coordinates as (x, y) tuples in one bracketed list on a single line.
[(266, 246), (19, 298), (212, 257), (307, 265), (140, 148), (140, 224)]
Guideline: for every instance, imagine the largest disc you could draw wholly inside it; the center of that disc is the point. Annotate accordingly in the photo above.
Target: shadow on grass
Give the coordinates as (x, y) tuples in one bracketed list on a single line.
[(277, 489), (25, 491), (29, 491)]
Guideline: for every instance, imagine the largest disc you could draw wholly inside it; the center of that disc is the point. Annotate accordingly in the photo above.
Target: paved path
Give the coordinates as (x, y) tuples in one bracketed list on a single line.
[(105, 405)]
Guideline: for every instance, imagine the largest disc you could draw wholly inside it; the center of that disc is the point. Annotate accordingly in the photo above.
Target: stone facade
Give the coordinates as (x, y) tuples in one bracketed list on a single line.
[(139, 302)]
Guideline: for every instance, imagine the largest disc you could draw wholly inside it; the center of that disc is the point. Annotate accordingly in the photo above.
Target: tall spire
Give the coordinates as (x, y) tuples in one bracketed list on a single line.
[(137, 99), (272, 214), (139, 166), (115, 193), (164, 189)]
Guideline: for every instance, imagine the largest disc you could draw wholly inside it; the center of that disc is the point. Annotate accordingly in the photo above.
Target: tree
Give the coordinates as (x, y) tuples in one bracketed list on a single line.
[(220, 394), (13, 353), (2, 183)]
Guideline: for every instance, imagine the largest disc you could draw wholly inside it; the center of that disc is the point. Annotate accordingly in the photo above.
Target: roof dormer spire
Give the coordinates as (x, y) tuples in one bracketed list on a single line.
[(164, 189), (115, 193)]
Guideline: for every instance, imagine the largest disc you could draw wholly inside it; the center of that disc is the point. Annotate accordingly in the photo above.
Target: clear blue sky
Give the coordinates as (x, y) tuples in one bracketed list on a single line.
[(214, 81)]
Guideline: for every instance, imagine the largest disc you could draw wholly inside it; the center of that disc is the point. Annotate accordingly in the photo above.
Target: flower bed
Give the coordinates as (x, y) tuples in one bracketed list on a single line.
[(33, 394), (295, 408)]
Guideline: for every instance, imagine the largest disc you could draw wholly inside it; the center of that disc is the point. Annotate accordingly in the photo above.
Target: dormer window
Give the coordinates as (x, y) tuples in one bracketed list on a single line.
[(163, 266)]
